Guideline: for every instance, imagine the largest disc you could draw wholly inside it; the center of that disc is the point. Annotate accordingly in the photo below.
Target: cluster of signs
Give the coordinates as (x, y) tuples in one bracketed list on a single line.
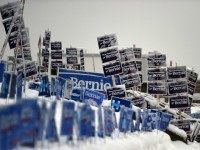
[(45, 51), (18, 34), (56, 57)]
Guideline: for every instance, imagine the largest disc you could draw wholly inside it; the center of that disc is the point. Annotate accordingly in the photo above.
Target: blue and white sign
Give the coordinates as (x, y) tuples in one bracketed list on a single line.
[(93, 97), (116, 103)]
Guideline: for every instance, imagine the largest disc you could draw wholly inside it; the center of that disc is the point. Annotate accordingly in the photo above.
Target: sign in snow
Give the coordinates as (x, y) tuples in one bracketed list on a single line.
[(56, 46), (192, 76), (117, 102), (178, 101), (137, 52), (109, 55), (156, 88), (72, 60), (176, 72), (130, 80), (129, 67), (118, 91), (56, 54), (126, 54), (156, 74), (156, 60), (107, 41), (177, 87), (112, 68), (72, 51), (30, 69)]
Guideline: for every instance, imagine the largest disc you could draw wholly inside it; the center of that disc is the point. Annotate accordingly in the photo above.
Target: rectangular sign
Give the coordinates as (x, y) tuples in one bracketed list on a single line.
[(139, 65), (156, 74), (131, 80), (81, 53), (107, 41), (72, 60), (176, 72), (56, 64), (129, 67), (117, 102), (137, 101), (112, 68), (117, 91), (56, 54), (192, 76), (182, 124), (8, 10), (46, 39), (71, 51), (178, 101), (156, 60), (56, 45), (126, 54), (45, 52), (137, 52), (157, 88), (177, 87), (82, 61), (109, 55), (93, 97), (191, 88), (30, 69)]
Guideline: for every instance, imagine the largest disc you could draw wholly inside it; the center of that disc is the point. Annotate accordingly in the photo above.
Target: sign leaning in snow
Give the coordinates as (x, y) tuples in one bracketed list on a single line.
[(56, 54), (117, 102), (71, 51), (109, 55), (107, 41), (117, 91), (56, 45), (129, 67), (130, 80), (156, 88), (112, 68), (176, 72), (156, 60), (126, 54), (178, 101), (137, 52), (191, 88), (192, 76), (177, 87), (156, 74), (72, 60)]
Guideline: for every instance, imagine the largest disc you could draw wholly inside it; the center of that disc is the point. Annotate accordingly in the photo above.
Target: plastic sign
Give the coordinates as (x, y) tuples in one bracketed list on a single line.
[(176, 72), (109, 55), (107, 41)]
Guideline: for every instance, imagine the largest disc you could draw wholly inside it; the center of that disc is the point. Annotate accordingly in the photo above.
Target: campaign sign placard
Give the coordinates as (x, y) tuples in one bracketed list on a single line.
[(93, 97), (112, 68), (30, 69), (56, 54), (117, 102), (137, 101), (82, 61), (109, 55), (156, 88), (56, 64), (76, 67), (191, 88), (137, 52), (186, 110), (126, 54), (18, 22), (46, 39), (8, 10), (192, 76), (131, 80), (178, 101), (25, 37), (177, 87), (90, 74), (107, 41), (176, 72), (118, 91), (81, 53), (12, 40), (56, 45), (45, 52), (72, 51), (156, 74), (72, 60), (156, 60), (129, 67), (182, 124), (139, 65)]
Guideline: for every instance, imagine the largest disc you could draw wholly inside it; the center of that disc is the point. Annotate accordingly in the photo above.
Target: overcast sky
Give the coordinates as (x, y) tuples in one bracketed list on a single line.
[(168, 26)]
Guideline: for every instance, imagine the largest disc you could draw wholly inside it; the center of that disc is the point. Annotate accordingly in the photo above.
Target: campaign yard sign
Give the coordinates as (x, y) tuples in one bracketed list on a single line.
[(178, 101), (56, 54), (56, 45), (176, 72), (182, 124), (130, 80), (93, 97), (107, 41), (112, 68), (156, 88), (72, 60), (137, 52), (117, 91), (72, 52), (192, 76), (46, 39), (126, 54), (156, 60), (30, 69), (191, 88), (139, 65), (177, 87), (129, 67), (109, 55), (137, 101), (156, 74), (117, 102)]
